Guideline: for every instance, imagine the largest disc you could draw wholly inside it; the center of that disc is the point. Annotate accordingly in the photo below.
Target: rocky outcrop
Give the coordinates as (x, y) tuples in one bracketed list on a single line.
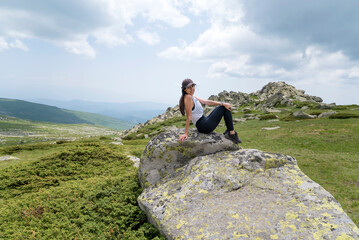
[(240, 194), (272, 95), (164, 154)]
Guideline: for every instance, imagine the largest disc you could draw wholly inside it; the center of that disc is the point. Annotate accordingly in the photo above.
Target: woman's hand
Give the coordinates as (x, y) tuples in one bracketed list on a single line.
[(182, 137), (227, 105)]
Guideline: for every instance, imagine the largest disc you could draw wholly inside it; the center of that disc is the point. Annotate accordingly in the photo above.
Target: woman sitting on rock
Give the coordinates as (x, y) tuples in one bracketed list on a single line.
[(191, 106)]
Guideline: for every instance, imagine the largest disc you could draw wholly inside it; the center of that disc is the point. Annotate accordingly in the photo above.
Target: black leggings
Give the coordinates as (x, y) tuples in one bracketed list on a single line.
[(209, 123)]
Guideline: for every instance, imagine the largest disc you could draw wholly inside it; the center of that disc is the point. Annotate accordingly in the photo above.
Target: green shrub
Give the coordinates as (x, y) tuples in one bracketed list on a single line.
[(289, 117), (315, 112), (77, 163), (267, 117), (104, 138), (86, 192), (343, 115), (309, 104), (345, 107), (246, 110), (62, 141), (26, 147)]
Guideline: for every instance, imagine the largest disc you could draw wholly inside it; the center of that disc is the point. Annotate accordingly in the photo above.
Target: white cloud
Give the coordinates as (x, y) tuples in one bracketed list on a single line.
[(233, 49), (150, 38), (15, 44), (19, 44), (3, 44), (71, 23), (80, 47)]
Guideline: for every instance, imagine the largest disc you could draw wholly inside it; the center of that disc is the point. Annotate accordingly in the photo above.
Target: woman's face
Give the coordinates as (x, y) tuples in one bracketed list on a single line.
[(190, 90)]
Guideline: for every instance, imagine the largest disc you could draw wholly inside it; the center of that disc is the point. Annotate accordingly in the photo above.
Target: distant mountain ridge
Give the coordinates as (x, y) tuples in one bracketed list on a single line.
[(45, 113), (135, 112)]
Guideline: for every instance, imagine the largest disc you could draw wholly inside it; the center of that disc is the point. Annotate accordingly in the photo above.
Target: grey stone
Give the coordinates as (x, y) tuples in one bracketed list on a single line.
[(325, 106), (271, 110), (273, 120), (270, 128), (164, 153), (246, 194), (135, 160), (239, 120), (8, 157), (303, 115), (326, 114)]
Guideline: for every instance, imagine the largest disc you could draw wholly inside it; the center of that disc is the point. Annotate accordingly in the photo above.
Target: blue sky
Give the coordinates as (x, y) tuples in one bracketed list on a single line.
[(141, 50)]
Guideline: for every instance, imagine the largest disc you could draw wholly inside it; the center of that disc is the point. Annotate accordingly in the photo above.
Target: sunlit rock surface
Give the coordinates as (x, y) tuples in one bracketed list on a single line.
[(164, 154), (245, 194)]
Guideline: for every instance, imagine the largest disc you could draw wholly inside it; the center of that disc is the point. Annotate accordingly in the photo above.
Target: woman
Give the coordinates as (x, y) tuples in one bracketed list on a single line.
[(191, 106)]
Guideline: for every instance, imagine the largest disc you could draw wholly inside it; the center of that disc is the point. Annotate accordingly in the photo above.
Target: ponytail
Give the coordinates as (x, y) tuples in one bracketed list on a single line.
[(181, 102)]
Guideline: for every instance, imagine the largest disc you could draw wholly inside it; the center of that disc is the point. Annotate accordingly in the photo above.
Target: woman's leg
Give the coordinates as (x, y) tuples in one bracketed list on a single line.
[(209, 123)]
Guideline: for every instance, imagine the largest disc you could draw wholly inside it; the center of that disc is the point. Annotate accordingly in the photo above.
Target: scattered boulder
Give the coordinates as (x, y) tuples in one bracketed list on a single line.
[(303, 115), (270, 128), (325, 106), (164, 153), (8, 157), (271, 110), (232, 194), (326, 114), (135, 160)]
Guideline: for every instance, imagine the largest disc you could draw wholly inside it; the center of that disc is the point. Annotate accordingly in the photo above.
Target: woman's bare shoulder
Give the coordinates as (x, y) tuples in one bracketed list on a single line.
[(187, 97)]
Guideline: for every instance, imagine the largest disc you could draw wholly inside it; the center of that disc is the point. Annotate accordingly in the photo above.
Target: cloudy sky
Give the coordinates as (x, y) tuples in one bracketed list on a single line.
[(141, 50)]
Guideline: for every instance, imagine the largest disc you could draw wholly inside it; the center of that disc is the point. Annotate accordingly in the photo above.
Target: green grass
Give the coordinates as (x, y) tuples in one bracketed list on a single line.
[(45, 113), (88, 190), (16, 131), (102, 120)]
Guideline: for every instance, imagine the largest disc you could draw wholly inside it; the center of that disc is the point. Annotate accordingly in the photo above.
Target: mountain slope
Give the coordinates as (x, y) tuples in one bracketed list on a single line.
[(44, 113), (136, 112), (102, 120)]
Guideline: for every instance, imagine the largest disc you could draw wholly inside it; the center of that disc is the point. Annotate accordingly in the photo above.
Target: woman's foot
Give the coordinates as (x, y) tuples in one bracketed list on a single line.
[(232, 137)]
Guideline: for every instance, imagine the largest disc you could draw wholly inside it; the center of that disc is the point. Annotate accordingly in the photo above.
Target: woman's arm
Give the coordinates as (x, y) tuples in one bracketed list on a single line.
[(214, 103), (188, 103)]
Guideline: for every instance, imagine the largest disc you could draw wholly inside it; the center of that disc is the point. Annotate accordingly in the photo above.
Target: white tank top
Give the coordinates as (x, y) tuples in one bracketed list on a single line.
[(197, 112)]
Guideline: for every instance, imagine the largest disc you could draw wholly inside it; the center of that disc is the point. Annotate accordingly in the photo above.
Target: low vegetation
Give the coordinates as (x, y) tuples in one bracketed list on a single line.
[(84, 187), (344, 115), (87, 191)]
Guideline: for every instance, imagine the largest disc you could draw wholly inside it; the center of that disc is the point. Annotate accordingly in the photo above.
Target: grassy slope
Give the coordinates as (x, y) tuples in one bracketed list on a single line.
[(44, 113), (102, 120), (36, 112), (326, 150), (17, 131)]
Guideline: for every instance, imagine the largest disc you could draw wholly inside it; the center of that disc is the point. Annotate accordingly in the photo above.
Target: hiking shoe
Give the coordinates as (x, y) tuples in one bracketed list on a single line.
[(225, 132), (233, 137)]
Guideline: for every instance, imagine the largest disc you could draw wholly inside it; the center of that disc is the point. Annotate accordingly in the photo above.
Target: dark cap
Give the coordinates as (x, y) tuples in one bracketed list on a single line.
[(187, 83)]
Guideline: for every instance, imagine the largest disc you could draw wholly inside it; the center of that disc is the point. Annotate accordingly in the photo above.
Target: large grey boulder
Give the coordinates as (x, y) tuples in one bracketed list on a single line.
[(245, 194), (164, 153)]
